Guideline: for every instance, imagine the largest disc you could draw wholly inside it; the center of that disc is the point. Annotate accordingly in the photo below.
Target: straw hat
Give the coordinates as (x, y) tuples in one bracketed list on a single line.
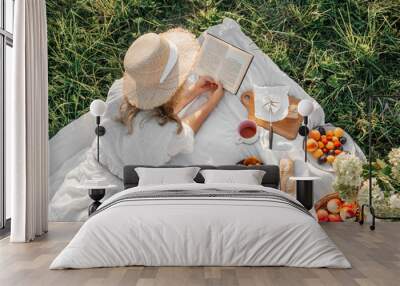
[(157, 65)]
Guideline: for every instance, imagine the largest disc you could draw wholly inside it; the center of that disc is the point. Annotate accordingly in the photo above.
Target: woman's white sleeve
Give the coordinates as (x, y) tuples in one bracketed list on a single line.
[(182, 142)]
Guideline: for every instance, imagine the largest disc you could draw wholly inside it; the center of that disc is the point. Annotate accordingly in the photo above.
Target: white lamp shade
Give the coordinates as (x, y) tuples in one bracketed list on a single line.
[(98, 107), (305, 107)]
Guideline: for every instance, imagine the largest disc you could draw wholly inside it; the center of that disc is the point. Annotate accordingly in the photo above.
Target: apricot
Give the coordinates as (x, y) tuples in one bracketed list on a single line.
[(312, 145), (318, 153), (334, 218), (330, 145), (338, 132), (330, 159), (322, 215), (314, 134), (338, 151), (321, 145), (330, 133), (352, 205)]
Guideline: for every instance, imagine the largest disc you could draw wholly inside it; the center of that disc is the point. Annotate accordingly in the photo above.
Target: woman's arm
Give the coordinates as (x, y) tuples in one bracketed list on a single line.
[(203, 84), (197, 119)]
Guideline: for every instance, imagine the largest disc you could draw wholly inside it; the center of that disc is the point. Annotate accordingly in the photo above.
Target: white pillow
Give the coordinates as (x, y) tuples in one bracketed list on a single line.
[(247, 177), (166, 176)]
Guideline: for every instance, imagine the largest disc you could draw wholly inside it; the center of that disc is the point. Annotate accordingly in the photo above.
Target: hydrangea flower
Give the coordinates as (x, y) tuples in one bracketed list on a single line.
[(377, 193), (348, 179), (395, 201), (394, 160)]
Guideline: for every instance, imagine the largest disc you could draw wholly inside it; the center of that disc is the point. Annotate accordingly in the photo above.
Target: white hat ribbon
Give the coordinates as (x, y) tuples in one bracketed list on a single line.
[(172, 59)]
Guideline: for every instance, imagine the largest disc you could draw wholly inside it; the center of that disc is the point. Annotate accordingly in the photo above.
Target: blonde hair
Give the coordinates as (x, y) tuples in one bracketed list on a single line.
[(163, 114)]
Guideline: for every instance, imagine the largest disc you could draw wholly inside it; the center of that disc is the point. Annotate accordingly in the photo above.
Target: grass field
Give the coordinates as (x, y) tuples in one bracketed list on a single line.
[(340, 52)]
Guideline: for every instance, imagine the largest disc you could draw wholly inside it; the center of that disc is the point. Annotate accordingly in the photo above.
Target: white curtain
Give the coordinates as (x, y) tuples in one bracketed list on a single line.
[(27, 123)]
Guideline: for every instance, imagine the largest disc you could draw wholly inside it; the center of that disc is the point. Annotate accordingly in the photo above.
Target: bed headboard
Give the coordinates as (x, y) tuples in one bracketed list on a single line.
[(270, 179)]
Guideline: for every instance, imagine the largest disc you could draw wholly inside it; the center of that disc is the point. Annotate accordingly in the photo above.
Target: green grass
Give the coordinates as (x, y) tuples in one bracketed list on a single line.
[(340, 52)]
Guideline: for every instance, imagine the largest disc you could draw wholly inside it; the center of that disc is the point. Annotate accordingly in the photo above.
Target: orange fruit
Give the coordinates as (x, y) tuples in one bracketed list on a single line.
[(317, 153), (330, 145), (338, 132), (312, 145), (330, 159), (314, 134), (330, 133), (322, 215), (334, 218)]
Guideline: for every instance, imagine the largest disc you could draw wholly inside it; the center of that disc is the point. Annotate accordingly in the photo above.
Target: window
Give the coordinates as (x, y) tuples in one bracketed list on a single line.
[(6, 65)]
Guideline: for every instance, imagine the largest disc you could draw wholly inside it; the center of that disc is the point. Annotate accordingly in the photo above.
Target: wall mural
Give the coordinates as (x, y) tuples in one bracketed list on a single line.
[(338, 53)]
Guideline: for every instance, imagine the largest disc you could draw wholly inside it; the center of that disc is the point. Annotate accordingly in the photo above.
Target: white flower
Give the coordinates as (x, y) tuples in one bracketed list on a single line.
[(363, 193), (395, 201), (394, 160), (348, 170)]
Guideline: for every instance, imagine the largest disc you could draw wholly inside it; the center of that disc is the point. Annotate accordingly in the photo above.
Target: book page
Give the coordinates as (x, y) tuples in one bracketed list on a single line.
[(233, 69), (209, 61), (223, 62)]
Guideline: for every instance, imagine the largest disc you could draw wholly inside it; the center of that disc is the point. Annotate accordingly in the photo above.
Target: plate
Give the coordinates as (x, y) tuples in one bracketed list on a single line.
[(349, 147)]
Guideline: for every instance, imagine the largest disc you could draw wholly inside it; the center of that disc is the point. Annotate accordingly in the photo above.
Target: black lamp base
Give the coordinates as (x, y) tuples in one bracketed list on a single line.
[(100, 130), (96, 195), (303, 130)]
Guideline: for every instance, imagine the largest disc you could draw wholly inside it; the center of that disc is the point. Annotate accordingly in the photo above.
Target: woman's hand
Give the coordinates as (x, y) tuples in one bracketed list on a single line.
[(204, 84), (217, 94), (197, 118)]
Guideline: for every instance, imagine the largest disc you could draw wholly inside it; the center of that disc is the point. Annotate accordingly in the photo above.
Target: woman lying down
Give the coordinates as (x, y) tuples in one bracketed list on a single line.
[(147, 129)]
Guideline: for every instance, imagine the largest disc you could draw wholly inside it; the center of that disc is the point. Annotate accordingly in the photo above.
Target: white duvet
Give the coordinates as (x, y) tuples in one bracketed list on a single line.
[(200, 231)]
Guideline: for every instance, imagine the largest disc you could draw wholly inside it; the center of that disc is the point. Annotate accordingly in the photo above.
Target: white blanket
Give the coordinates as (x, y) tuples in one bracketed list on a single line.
[(215, 143), (200, 231)]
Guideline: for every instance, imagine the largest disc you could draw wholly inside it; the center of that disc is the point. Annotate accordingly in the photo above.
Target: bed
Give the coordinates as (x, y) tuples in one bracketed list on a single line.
[(201, 224)]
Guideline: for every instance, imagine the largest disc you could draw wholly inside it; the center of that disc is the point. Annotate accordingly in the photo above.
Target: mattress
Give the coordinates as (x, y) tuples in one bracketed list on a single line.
[(201, 225)]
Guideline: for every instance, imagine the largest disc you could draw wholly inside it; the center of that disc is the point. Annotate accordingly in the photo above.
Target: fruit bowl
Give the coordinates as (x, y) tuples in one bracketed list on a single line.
[(325, 143)]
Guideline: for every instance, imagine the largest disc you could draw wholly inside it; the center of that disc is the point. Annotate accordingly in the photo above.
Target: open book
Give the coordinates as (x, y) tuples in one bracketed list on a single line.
[(223, 61)]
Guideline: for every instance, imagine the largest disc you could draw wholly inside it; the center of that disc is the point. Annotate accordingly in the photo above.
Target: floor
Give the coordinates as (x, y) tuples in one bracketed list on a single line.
[(375, 257)]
